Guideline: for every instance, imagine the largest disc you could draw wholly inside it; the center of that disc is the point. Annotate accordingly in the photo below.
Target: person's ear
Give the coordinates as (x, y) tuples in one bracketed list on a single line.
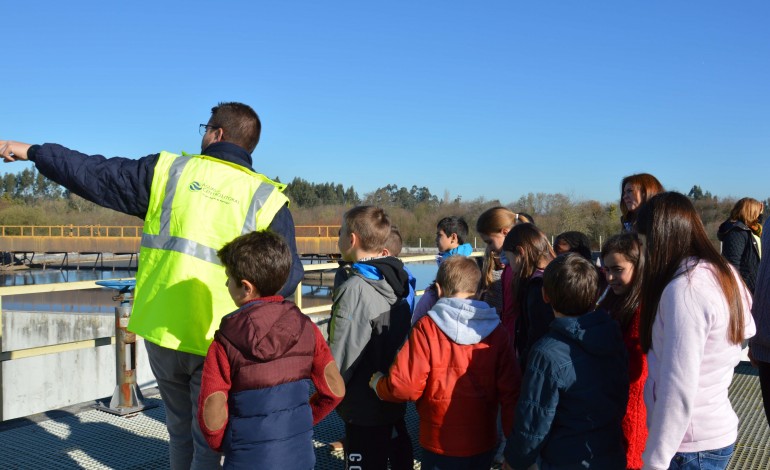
[(219, 134), (439, 290), (354, 240), (453, 239), (505, 231), (249, 289)]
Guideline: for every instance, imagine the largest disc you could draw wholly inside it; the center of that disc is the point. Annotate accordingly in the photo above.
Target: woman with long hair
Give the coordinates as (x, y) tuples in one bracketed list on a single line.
[(623, 262), (635, 190), (695, 314), (528, 252), (740, 237)]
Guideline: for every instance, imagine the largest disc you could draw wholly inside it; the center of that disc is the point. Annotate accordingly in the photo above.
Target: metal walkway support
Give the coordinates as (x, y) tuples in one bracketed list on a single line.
[(127, 397)]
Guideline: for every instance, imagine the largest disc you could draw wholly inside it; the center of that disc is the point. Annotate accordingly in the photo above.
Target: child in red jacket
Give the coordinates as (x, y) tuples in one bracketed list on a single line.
[(253, 403), (459, 366)]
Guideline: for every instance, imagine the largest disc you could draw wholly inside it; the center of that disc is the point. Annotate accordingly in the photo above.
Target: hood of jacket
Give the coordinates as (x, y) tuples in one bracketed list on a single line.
[(264, 329), (387, 275), (730, 225), (463, 250), (591, 331), (464, 321)]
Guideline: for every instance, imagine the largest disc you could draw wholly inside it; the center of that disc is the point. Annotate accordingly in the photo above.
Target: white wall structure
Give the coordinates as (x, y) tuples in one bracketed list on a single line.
[(41, 383)]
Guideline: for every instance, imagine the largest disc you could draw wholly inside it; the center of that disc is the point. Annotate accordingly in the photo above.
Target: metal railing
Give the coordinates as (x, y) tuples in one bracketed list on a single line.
[(86, 285), (117, 231), (122, 231)]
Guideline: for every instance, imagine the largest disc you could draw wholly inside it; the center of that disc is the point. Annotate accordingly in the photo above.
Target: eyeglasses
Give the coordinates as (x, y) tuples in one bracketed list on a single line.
[(203, 128)]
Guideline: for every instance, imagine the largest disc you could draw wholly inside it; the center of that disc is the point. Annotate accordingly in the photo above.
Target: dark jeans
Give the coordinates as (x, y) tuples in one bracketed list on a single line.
[(372, 447), (431, 461), (764, 383), (707, 460)]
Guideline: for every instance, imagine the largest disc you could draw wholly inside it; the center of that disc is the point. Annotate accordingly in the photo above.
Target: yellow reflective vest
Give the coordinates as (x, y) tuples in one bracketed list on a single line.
[(197, 204)]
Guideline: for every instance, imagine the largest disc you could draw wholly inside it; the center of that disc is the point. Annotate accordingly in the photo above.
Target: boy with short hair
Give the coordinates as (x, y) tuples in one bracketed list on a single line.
[(575, 387), (369, 323), (458, 365), (451, 233), (253, 403)]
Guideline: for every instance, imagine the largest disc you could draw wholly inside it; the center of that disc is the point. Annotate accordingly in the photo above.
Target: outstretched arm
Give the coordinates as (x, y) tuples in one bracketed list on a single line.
[(121, 184)]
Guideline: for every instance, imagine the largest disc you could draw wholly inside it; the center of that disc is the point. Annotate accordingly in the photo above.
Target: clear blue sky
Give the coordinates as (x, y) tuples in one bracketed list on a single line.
[(489, 99)]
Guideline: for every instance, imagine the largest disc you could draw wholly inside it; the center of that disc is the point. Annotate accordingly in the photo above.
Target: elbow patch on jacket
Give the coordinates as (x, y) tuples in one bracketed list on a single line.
[(215, 411), (334, 379)]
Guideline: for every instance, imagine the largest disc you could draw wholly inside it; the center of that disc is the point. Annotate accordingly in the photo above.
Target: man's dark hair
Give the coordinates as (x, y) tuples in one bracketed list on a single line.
[(452, 225), (239, 123), (262, 258), (571, 283)]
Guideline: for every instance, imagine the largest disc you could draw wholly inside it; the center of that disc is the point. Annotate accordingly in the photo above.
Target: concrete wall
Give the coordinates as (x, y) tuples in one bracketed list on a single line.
[(52, 381), (42, 383)]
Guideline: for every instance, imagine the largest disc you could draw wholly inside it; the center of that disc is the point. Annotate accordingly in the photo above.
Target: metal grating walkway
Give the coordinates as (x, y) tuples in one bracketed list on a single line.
[(84, 438)]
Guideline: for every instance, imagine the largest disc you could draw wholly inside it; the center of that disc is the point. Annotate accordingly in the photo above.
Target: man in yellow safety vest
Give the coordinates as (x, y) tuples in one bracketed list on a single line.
[(191, 205)]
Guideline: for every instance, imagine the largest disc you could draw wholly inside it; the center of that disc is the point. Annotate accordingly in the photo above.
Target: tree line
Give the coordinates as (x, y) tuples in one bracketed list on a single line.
[(28, 198)]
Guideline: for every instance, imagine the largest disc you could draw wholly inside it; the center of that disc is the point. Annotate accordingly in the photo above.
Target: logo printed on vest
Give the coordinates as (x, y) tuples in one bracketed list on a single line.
[(212, 192)]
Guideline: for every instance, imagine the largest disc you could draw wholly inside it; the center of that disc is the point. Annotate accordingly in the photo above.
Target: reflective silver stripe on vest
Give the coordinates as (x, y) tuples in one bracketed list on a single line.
[(174, 172), (181, 245), (257, 201)]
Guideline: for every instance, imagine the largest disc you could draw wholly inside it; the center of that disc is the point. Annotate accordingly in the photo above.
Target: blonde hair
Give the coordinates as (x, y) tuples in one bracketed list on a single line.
[(498, 218), (495, 219), (458, 274), (490, 264)]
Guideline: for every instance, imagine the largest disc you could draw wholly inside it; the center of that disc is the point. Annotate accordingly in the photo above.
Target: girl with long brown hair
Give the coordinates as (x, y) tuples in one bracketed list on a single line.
[(528, 252), (623, 262), (695, 314)]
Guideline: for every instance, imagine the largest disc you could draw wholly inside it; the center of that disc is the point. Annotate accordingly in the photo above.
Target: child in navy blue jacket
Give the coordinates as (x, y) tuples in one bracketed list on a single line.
[(575, 388)]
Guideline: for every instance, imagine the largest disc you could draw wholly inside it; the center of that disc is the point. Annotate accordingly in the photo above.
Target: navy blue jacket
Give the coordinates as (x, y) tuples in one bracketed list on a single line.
[(123, 184), (573, 398), (740, 248)]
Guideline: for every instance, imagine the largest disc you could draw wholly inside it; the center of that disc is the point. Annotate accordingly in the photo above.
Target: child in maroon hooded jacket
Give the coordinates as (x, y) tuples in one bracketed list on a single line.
[(253, 403)]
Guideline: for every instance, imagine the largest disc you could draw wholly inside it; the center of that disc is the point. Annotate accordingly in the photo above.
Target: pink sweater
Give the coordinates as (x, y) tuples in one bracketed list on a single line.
[(690, 368)]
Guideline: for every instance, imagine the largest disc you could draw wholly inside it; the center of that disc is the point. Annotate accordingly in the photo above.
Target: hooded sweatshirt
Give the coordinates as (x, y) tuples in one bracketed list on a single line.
[(370, 321), (573, 397), (459, 366), (430, 295)]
